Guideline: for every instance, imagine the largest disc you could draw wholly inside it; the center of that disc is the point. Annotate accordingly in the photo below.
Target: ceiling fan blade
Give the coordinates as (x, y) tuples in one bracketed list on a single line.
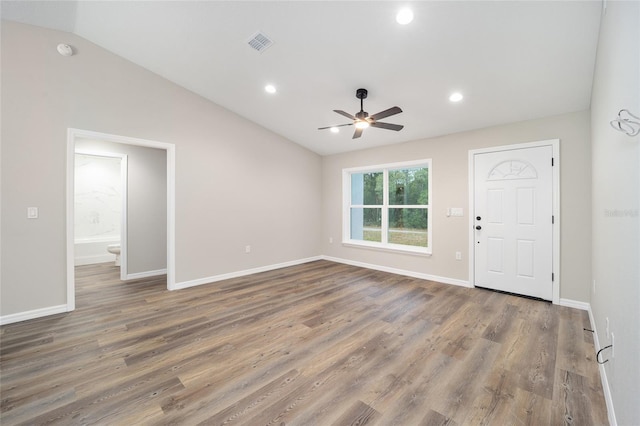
[(337, 125), (346, 114), (357, 133), (387, 126), (386, 113)]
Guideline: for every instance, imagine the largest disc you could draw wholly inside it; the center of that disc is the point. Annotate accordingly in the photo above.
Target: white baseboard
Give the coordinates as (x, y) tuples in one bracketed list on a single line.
[(90, 260), (29, 315), (445, 280), (603, 373), (569, 303), (221, 277), (596, 343), (146, 274)]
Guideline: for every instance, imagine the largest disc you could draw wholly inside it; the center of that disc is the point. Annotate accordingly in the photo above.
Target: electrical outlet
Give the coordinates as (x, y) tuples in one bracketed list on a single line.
[(606, 321), (32, 212), (613, 346), (458, 255), (247, 249), (330, 240), (594, 286)]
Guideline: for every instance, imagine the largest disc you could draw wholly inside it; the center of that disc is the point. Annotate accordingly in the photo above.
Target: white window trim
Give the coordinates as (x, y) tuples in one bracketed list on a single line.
[(346, 206)]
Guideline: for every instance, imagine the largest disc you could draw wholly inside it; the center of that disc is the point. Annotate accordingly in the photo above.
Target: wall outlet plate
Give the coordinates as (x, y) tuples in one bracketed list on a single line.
[(32, 212)]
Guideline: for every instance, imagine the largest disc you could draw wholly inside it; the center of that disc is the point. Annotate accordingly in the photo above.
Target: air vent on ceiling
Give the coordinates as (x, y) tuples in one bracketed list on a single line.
[(260, 42)]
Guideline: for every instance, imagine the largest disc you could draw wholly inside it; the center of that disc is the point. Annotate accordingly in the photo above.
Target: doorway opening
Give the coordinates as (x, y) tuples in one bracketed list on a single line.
[(100, 206), (74, 136)]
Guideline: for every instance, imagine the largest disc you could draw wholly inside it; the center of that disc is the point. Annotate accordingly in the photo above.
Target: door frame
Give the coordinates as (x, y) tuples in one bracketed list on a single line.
[(72, 135), (555, 145)]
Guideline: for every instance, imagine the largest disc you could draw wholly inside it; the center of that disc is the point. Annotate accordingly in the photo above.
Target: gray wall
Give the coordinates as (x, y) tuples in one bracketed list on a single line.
[(146, 203), (616, 205), (236, 183), (450, 188)]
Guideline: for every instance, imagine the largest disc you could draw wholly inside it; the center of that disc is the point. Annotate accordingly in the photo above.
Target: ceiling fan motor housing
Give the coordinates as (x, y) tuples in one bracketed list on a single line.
[(361, 119)]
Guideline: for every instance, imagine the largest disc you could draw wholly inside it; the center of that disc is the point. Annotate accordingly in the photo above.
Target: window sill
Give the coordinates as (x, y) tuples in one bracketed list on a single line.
[(388, 248)]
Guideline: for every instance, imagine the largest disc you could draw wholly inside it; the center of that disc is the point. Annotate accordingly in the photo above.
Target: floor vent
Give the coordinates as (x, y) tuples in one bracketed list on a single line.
[(260, 42)]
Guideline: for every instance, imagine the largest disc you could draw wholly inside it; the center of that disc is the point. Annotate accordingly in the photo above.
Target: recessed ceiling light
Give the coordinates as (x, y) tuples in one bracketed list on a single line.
[(334, 130), (404, 16), (270, 88), (456, 97)]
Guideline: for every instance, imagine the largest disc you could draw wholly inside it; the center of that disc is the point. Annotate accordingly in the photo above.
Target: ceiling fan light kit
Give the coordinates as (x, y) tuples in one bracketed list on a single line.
[(362, 120)]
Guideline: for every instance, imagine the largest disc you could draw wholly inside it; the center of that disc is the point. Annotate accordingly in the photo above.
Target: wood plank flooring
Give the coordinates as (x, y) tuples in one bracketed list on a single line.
[(316, 344)]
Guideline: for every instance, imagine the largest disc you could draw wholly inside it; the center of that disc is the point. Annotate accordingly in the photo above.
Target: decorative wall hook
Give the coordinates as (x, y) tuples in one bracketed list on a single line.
[(626, 124)]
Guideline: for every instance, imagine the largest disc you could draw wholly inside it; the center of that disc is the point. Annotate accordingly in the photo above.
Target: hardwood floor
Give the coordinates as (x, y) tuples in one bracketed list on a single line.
[(315, 344)]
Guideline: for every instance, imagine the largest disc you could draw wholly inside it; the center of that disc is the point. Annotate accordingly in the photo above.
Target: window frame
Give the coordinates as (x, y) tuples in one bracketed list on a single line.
[(384, 245)]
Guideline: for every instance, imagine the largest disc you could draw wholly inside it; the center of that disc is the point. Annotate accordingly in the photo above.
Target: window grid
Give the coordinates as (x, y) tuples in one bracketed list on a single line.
[(385, 207)]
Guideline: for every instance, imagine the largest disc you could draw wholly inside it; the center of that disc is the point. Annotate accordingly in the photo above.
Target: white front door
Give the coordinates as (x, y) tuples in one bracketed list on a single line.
[(513, 213)]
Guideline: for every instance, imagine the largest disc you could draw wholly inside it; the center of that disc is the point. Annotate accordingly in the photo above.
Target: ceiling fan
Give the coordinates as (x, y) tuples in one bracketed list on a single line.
[(362, 119)]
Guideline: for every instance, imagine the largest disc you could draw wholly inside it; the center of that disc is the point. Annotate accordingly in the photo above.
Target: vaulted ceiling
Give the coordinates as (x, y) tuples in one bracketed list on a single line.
[(511, 60)]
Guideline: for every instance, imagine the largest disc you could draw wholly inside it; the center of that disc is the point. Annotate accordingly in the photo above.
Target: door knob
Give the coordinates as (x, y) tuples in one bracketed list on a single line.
[(478, 227)]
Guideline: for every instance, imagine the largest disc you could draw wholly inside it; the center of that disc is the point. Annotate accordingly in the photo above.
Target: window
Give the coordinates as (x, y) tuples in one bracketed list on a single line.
[(388, 206)]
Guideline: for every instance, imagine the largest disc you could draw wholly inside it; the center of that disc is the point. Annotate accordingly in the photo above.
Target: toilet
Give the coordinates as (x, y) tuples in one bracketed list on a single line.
[(115, 249)]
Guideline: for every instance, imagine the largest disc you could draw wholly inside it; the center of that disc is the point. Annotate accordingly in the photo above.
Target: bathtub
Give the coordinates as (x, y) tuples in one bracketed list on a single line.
[(94, 250)]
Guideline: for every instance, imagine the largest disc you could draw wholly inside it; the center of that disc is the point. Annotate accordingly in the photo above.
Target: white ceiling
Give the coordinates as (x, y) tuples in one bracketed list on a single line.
[(512, 60)]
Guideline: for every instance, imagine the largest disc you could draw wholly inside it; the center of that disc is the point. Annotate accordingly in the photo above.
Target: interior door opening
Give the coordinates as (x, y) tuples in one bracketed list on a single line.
[(75, 135), (100, 206)]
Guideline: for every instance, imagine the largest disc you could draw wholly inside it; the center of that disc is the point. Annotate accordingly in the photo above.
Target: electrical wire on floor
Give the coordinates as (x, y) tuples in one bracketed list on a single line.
[(598, 354)]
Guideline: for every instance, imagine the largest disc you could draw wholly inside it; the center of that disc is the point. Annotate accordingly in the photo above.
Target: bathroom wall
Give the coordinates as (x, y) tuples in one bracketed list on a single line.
[(146, 204), (98, 207)]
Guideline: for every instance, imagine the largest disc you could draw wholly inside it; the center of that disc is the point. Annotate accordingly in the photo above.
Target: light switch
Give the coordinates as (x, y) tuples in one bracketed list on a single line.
[(457, 211), (32, 212)]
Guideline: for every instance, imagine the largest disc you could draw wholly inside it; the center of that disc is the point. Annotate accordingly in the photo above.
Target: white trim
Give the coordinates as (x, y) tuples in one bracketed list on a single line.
[(384, 245), (392, 248), (555, 145), (611, 414), (71, 163), (33, 314), (396, 165), (124, 216), (171, 217), (420, 275), (221, 277), (146, 274), (569, 303), (72, 135)]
